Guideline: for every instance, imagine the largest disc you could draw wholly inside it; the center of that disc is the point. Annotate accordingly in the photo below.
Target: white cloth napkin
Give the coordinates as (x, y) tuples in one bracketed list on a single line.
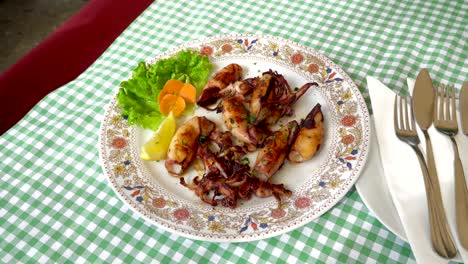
[(404, 176)]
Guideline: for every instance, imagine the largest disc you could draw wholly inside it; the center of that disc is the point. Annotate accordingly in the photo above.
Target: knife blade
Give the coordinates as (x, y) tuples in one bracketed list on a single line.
[(464, 107), (423, 100)]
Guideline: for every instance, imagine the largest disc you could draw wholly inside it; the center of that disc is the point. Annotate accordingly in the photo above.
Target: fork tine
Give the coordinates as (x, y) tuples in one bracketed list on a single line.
[(447, 103), (395, 114), (413, 125), (436, 99), (407, 114), (441, 101), (454, 104), (402, 123)]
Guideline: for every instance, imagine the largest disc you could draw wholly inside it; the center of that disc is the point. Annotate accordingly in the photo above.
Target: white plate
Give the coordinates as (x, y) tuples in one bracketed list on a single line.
[(317, 185)]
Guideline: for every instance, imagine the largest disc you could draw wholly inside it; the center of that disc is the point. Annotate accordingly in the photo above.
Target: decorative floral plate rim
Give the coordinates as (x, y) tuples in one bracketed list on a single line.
[(346, 155)]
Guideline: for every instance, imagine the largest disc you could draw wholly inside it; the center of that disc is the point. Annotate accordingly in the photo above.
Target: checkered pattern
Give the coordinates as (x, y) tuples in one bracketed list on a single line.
[(56, 204)]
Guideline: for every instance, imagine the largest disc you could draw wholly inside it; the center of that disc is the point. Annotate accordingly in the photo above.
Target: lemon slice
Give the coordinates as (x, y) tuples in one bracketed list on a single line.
[(156, 148)]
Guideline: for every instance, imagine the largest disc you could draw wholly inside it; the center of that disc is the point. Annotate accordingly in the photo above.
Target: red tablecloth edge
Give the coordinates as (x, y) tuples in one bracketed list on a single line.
[(63, 55)]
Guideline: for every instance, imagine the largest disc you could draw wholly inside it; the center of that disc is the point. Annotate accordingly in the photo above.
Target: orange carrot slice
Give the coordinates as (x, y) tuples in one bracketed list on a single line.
[(172, 103), (188, 92), (170, 87)]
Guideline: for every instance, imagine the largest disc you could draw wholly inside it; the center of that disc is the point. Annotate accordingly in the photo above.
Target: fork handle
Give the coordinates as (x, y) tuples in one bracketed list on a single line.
[(441, 237), (461, 198)]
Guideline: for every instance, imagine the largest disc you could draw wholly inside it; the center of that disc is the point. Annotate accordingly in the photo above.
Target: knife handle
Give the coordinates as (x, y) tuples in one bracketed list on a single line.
[(431, 163), (461, 198), (439, 210), (441, 237)]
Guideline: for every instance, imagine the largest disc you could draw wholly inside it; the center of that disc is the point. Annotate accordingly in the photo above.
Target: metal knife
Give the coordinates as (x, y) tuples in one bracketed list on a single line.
[(423, 107), (464, 107)]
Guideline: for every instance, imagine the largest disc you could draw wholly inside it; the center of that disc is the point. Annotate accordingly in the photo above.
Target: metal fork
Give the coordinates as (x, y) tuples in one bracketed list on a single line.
[(447, 124), (405, 129)]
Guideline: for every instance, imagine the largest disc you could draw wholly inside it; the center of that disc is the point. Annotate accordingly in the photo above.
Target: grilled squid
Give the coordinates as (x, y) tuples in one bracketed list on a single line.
[(310, 137), (183, 146), (276, 146), (237, 120), (243, 87), (284, 105), (227, 75), (261, 96), (227, 178), (273, 98)]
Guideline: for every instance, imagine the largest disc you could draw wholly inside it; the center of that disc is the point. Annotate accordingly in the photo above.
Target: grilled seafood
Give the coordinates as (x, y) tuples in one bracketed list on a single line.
[(243, 87), (227, 147), (261, 95), (221, 176), (283, 107), (241, 188), (250, 108), (236, 118), (273, 98), (227, 177), (204, 186), (224, 77), (276, 147), (262, 189), (183, 146), (310, 137)]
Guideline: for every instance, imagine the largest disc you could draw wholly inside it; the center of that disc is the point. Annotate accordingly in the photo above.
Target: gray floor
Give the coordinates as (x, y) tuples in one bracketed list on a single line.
[(25, 23)]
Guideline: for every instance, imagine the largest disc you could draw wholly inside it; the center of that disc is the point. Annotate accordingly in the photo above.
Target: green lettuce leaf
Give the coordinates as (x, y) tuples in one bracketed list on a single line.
[(138, 96)]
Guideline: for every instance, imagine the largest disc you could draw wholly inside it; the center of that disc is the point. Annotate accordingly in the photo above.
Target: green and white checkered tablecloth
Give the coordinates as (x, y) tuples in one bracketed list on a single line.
[(56, 204)]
